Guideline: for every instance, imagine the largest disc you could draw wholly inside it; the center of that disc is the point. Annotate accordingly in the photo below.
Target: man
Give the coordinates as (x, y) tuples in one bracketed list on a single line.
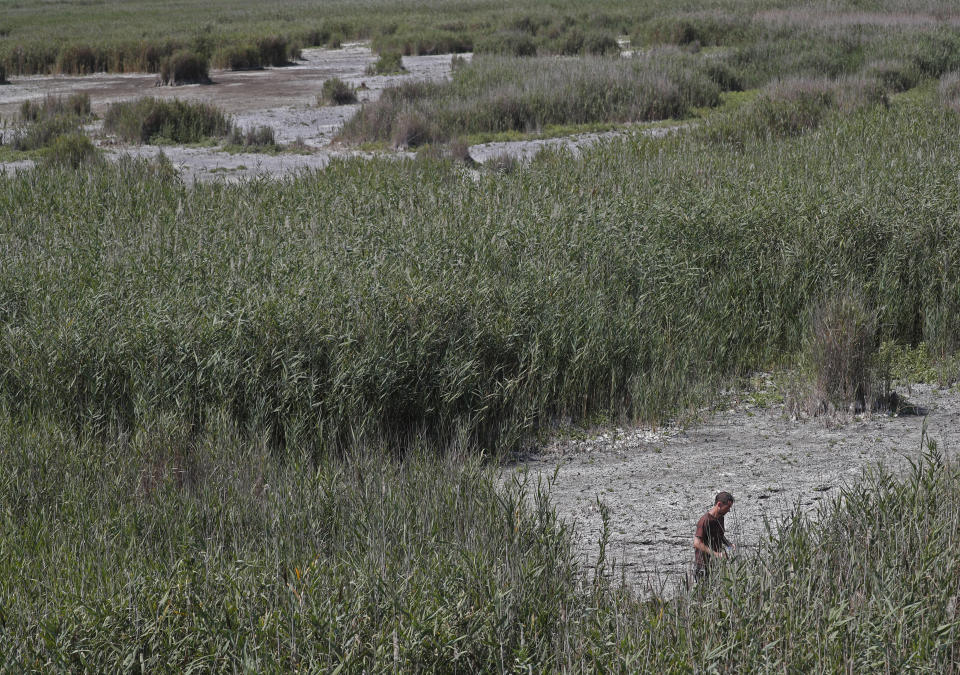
[(709, 539)]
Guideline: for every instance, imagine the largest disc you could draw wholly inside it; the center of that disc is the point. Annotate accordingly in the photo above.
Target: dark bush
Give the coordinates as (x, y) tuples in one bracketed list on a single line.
[(70, 151), (3, 74), (274, 51), (148, 119), (336, 92), (184, 67)]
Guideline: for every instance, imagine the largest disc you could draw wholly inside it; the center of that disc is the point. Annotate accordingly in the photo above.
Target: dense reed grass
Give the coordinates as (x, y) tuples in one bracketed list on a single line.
[(395, 298), (149, 119), (336, 92), (167, 551), (766, 39), (510, 94)]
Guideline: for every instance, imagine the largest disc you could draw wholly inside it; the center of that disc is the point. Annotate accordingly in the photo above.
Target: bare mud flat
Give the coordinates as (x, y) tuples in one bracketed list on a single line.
[(281, 98), (657, 483)]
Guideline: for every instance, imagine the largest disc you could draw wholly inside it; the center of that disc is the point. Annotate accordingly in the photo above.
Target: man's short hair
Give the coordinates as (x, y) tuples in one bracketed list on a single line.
[(723, 498)]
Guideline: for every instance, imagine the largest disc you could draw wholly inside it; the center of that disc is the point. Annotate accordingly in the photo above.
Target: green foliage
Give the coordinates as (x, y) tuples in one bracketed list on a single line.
[(793, 107), (392, 298), (71, 151), (495, 94), (507, 43), (905, 364), (184, 67), (148, 119), (45, 130), (388, 63), (336, 92)]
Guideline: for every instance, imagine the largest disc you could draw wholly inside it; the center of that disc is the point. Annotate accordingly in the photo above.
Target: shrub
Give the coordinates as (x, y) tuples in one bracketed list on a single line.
[(148, 119), (70, 151), (274, 51), (184, 67), (388, 63), (3, 74), (336, 92)]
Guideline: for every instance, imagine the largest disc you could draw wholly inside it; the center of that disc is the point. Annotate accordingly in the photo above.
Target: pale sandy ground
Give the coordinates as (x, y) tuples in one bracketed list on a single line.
[(657, 483), (282, 98)]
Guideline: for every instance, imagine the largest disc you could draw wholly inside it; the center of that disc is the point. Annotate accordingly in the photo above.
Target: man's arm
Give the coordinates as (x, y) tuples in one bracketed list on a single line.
[(699, 544)]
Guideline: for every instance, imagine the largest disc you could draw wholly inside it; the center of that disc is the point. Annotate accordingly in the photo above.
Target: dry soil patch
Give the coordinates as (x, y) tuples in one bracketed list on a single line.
[(657, 483)]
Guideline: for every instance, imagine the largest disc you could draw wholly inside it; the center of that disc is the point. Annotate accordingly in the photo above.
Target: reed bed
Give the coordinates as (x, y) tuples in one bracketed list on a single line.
[(389, 299), (494, 94)]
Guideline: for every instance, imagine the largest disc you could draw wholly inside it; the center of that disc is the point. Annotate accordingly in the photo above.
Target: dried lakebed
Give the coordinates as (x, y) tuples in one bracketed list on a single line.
[(281, 98), (657, 483)]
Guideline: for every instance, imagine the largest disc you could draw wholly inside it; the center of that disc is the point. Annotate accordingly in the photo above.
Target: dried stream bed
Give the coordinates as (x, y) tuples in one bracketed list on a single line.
[(657, 483), (282, 98)]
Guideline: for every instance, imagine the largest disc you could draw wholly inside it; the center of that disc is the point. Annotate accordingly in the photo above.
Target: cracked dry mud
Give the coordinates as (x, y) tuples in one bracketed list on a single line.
[(657, 483)]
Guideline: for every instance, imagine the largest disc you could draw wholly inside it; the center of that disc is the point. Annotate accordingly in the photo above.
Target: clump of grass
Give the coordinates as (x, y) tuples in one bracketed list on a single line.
[(45, 120), (948, 91), (496, 94), (184, 67), (237, 57), (3, 74), (42, 132), (262, 138), (507, 43), (842, 343), (336, 92), (149, 119), (895, 75), (424, 41), (74, 105), (705, 28), (70, 150), (388, 63), (794, 106)]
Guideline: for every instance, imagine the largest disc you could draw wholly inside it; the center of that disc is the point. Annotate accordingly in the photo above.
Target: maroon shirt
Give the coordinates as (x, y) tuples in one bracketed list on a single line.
[(711, 532)]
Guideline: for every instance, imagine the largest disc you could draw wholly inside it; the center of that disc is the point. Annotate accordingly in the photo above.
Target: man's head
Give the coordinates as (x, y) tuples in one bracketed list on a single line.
[(723, 502)]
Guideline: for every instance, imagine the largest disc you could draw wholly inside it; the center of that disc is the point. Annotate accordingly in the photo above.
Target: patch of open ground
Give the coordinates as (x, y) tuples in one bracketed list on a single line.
[(657, 483)]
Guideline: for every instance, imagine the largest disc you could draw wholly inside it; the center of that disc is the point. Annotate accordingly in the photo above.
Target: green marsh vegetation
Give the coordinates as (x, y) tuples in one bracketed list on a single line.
[(495, 94), (244, 426), (336, 92)]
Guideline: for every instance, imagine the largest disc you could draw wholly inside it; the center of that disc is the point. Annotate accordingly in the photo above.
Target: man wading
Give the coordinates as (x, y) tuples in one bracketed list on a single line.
[(709, 539)]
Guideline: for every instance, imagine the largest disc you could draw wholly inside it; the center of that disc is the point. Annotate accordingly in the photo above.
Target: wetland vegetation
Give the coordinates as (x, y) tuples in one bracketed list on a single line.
[(254, 425)]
